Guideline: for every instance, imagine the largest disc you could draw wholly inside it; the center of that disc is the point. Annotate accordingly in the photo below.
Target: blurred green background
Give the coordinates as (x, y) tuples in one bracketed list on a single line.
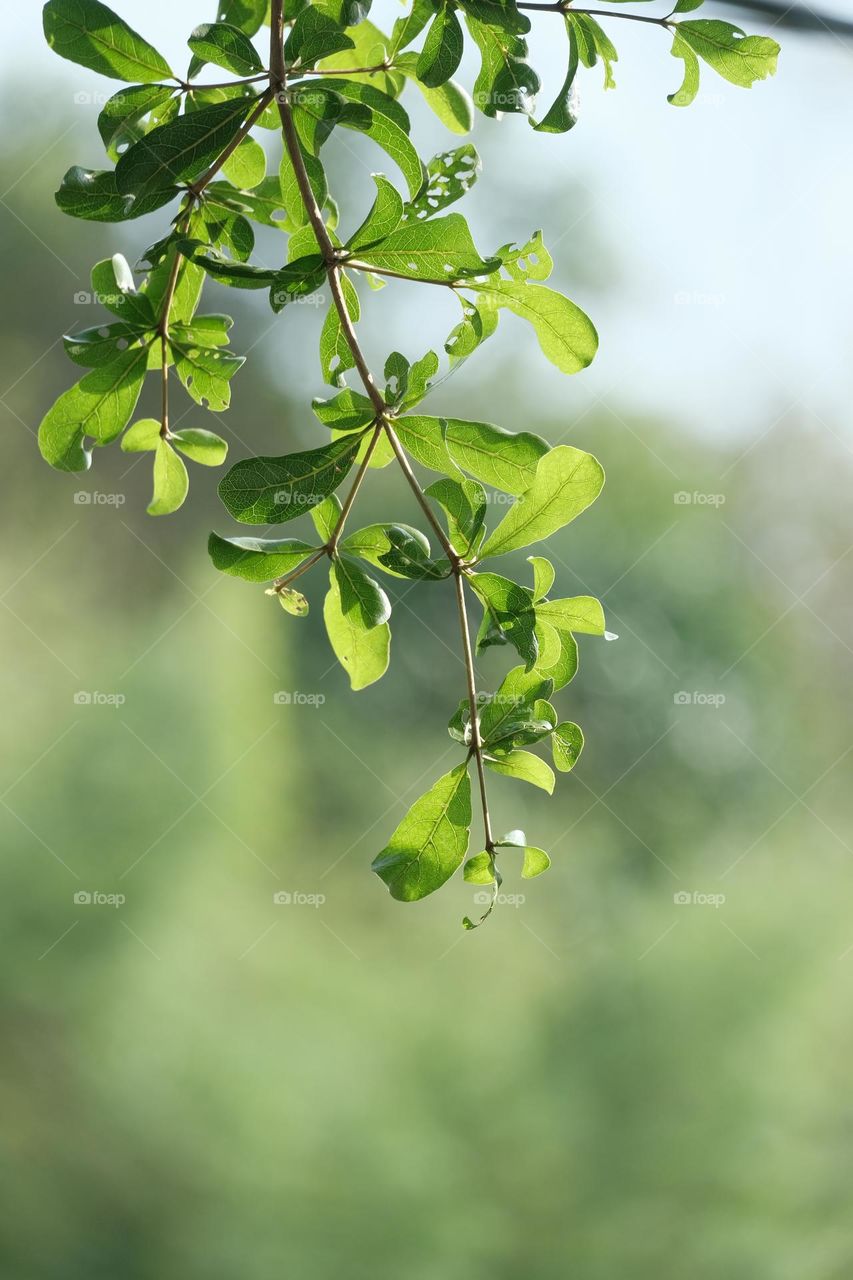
[(604, 1081)]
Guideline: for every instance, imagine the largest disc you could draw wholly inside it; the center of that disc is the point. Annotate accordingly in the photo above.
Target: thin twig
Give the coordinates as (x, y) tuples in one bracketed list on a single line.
[(278, 82)]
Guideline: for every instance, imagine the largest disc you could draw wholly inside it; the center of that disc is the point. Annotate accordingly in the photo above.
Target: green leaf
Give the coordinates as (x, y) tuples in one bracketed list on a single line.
[(687, 6), (314, 35), (452, 104), (273, 490), (335, 352), (123, 117), (535, 862), (593, 43), (291, 601), (362, 652), (92, 194), (566, 334), (375, 542), (441, 249), (562, 115), (361, 594), (558, 653), (206, 372), (511, 607), (406, 558), (737, 57), (246, 167), (506, 82), (296, 280), (347, 411), (201, 446), (442, 49), (543, 576), (566, 744), (431, 841), (179, 150), (464, 504), (326, 515), (577, 614), (225, 46), (90, 34), (525, 766), (237, 275), (506, 460), (99, 406), (171, 482), (684, 96), (424, 439), (262, 204), (100, 345), (248, 15), (142, 437), (480, 869), (450, 176), (113, 286), (384, 217), (567, 482), (257, 559)]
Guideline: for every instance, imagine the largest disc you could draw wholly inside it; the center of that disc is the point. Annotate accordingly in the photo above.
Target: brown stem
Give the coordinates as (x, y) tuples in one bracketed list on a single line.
[(278, 81), (332, 544), (476, 742), (287, 578)]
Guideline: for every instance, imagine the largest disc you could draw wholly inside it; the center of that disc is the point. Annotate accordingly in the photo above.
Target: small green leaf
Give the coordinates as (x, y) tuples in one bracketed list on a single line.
[(142, 437), (123, 118), (543, 576), (246, 167), (449, 177), (99, 406), (567, 482), (578, 613), (335, 351), (406, 558), (442, 49), (566, 334), (362, 652), (90, 34), (506, 82), (562, 115), (179, 150), (248, 15), (171, 482), (201, 446), (535, 862), (206, 372), (384, 217), (347, 411), (361, 594), (594, 43), (566, 744), (225, 46), (441, 249), (257, 559), (737, 57), (684, 96), (464, 504), (431, 841), (526, 767), (480, 869), (314, 35), (293, 602), (326, 515), (376, 542), (273, 490)]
